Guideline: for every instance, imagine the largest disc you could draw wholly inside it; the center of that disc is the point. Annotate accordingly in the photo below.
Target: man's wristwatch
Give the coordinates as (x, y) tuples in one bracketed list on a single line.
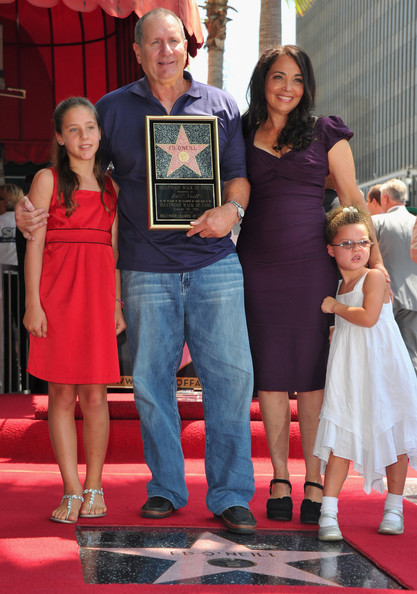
[(240, 211)]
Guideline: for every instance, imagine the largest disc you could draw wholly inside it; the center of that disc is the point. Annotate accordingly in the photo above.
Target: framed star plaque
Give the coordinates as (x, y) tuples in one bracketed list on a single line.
[(183, 169)]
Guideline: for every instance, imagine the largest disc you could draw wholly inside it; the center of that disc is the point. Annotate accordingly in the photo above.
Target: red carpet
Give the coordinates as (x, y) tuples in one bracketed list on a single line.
[(37, 555)]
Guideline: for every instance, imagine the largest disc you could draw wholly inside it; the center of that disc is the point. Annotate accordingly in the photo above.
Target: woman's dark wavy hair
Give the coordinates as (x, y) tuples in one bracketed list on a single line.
[(68, 181), (298, 131)]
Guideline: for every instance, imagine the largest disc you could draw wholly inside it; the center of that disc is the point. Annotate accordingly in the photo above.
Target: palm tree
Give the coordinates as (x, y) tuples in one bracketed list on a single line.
[(216, 21), (270, 21), (269, 24)]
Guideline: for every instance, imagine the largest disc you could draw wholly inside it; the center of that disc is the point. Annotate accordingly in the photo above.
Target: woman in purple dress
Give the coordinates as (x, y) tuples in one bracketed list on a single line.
[(282, 248)]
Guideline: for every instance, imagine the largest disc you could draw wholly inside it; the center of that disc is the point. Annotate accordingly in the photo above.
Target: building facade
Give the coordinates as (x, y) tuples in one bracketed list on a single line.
[(364, 56)]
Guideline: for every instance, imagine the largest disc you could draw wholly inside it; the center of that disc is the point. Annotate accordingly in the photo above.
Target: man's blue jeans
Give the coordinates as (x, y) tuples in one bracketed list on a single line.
[(205, 308)]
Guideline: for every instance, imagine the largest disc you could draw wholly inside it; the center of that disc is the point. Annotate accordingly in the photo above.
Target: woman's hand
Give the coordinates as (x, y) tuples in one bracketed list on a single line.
[(381, 267)]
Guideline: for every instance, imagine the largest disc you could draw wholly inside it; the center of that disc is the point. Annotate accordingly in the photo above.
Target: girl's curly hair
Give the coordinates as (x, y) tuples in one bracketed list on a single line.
[(346, 215)]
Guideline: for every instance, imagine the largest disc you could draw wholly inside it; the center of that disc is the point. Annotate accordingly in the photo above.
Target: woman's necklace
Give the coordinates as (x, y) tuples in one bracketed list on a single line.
[(267, 139), (275, 146), (281, 151)]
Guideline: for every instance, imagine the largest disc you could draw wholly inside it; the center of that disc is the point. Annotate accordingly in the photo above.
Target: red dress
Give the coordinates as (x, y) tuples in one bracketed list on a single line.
[(77, 292)]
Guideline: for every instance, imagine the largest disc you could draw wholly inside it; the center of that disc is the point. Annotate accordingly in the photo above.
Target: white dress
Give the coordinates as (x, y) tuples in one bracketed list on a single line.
[(369, 412)]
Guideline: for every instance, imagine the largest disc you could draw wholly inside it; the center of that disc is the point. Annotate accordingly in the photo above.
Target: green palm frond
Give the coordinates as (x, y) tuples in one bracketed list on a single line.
[(301, 6)]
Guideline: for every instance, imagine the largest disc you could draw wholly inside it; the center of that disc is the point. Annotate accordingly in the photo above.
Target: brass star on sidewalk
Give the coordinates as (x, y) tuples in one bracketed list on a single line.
[(183, 153)]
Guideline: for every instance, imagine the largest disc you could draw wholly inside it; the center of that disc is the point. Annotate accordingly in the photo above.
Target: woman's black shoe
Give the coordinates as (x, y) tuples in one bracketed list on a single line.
[(281, 508), (310, 510)]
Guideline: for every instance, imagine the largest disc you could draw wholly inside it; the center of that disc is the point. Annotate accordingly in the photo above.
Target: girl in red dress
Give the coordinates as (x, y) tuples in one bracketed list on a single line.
[(73, 302)]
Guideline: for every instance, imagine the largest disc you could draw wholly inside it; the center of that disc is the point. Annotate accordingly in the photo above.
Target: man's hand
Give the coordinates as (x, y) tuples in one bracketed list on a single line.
[(119, 319), (216, 222), (29, 218)]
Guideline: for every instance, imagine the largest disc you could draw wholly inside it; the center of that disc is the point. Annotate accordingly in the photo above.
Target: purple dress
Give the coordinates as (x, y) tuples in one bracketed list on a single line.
[(287, 270)]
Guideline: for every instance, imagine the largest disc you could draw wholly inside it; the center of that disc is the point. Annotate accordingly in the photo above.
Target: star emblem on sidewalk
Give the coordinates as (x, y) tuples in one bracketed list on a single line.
[(183, 152), (212, 554)]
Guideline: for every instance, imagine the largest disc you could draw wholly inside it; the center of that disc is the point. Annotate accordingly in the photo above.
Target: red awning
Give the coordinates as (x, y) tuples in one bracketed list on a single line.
[(187, 10), (54, 49)]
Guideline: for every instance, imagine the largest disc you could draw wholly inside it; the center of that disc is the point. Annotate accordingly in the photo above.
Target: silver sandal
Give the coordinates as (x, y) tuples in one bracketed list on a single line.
[(90, 505), (69, 507)]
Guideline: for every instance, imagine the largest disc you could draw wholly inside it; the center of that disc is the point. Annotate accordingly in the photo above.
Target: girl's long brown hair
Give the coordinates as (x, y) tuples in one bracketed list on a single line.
[(68, 181)]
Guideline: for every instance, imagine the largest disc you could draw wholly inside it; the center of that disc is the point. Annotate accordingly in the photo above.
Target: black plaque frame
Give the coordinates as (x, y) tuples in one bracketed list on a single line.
[(183, 170)]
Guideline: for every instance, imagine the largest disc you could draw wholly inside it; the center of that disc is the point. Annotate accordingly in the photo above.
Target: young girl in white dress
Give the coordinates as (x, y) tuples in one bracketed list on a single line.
[(369, 413)]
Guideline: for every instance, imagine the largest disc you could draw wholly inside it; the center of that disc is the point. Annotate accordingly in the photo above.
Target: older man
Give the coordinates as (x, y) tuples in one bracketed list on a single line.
[(393, 230), (182, 286)]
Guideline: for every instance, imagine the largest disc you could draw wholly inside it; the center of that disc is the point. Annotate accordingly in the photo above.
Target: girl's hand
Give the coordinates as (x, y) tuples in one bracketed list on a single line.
[(35, 321), (328, 305)]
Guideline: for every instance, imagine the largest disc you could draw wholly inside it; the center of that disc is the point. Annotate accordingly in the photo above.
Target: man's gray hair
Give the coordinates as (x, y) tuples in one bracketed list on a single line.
[(396, 190), (156, 12)]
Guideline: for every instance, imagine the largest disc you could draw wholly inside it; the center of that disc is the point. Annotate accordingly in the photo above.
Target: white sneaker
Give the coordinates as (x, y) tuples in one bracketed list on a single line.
[(392, 526), (332, 532)]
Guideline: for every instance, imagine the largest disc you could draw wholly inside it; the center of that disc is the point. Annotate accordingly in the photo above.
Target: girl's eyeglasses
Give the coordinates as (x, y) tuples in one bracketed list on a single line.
[(350, 245)]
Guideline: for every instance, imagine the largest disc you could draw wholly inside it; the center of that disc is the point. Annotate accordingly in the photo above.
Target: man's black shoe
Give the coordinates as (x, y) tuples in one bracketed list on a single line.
[(157, 507), (239, 519)]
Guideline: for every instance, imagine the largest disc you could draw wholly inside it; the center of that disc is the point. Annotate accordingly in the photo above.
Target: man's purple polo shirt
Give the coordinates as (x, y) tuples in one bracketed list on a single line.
[(122, 119)]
